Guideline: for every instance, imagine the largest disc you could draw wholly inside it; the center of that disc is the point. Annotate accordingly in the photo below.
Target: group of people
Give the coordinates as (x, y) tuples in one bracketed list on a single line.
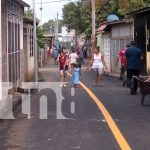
[(130, 58), (70, 64)]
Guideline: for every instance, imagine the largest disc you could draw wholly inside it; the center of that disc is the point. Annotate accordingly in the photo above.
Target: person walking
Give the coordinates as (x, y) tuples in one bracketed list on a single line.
[(121, 57), (80, 61), (55, 56), (72, 61), (63, 68), (98, 64), (85, 49), (133, 57)]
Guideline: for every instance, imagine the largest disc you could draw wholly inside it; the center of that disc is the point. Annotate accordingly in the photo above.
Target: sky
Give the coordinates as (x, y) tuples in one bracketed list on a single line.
[(49, 9)]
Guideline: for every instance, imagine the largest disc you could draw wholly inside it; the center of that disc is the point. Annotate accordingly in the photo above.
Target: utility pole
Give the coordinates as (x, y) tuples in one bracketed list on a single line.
[(93, 24), (41, 9), (57, 32), (35, 42)]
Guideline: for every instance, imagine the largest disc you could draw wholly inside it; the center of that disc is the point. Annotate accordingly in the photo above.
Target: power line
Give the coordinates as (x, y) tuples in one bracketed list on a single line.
[(56, 1)]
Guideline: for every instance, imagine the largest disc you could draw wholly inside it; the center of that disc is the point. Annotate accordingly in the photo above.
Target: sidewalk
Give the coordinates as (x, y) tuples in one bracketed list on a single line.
[(7, 107), (113, 74)]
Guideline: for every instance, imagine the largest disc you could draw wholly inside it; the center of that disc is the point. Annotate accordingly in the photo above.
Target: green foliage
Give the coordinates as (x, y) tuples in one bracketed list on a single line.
[(78, 16), (41, 40), (29, 13), (48, 27)]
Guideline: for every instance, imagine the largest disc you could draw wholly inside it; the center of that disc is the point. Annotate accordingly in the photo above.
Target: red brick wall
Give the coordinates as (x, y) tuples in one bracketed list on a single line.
[(4, 40)]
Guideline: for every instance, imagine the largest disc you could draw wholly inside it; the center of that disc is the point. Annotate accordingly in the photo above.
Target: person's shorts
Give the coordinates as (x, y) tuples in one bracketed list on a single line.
[(62, 68), (63, 72)]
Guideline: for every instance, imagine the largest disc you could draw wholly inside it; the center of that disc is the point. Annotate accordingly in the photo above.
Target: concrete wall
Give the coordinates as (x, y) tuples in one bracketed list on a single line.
[(22, 65), (0, 56), (4, 41), (28, 60), (100, 41)]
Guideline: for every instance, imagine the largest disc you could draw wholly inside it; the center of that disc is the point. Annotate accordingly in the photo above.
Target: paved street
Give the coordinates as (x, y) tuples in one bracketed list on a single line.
[(87, 128)]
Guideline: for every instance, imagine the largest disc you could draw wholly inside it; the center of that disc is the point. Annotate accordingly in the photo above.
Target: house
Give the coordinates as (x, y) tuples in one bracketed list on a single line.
[(142, 34), (112, 37), (12, 52)]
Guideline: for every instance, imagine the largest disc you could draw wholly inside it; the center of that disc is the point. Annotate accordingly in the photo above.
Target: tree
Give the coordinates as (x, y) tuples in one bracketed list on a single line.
[(49, 28), (29, 13), (41, 40), (77, 16)]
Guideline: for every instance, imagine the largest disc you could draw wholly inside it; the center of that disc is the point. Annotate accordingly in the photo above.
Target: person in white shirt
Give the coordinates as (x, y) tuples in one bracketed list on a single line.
[(72, 60), (98, 64)]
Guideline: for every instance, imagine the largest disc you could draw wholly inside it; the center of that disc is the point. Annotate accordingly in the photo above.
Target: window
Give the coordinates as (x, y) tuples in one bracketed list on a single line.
[(14, 51)]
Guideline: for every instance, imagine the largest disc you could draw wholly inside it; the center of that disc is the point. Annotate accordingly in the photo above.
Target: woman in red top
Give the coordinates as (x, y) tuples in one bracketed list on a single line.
[(62, 59)]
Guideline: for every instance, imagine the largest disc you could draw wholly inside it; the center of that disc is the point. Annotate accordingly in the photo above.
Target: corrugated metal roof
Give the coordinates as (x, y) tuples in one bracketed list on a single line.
[(119, 21), (139, 11), (22, 3), (101, 28)]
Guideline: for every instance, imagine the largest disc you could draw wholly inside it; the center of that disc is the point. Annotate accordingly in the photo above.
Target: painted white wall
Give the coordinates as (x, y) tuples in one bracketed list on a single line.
[(31, 66), (21, 34), (107, 52), (0, 54)]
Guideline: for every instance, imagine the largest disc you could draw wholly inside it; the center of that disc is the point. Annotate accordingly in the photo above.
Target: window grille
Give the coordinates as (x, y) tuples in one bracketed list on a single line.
[(14, 23)]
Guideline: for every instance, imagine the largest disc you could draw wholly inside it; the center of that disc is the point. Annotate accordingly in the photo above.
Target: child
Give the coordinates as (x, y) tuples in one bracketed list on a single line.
[(75, 77)]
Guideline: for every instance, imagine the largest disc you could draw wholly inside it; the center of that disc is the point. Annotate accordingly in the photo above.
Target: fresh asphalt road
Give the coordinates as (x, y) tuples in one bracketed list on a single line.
[(86, 128)]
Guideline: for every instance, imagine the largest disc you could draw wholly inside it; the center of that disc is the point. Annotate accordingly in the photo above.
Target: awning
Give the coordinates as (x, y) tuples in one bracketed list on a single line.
[(101, 28)]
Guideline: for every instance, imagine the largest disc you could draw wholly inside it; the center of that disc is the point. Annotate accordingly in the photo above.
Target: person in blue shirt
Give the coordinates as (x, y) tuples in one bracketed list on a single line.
[(55, 56), (133, 57)]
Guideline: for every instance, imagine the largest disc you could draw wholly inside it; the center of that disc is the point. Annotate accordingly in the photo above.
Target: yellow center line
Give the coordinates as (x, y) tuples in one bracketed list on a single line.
[(112, 125)]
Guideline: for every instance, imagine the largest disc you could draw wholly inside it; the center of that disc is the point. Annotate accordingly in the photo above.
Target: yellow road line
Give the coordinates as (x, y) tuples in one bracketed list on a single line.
[(112, 125)]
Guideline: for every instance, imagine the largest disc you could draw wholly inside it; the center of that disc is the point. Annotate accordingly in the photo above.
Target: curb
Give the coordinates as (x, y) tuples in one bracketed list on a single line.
[(111, 75)]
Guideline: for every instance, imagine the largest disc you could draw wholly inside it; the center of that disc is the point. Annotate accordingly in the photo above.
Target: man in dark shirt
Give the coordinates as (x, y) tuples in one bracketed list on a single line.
[(133, 57)]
